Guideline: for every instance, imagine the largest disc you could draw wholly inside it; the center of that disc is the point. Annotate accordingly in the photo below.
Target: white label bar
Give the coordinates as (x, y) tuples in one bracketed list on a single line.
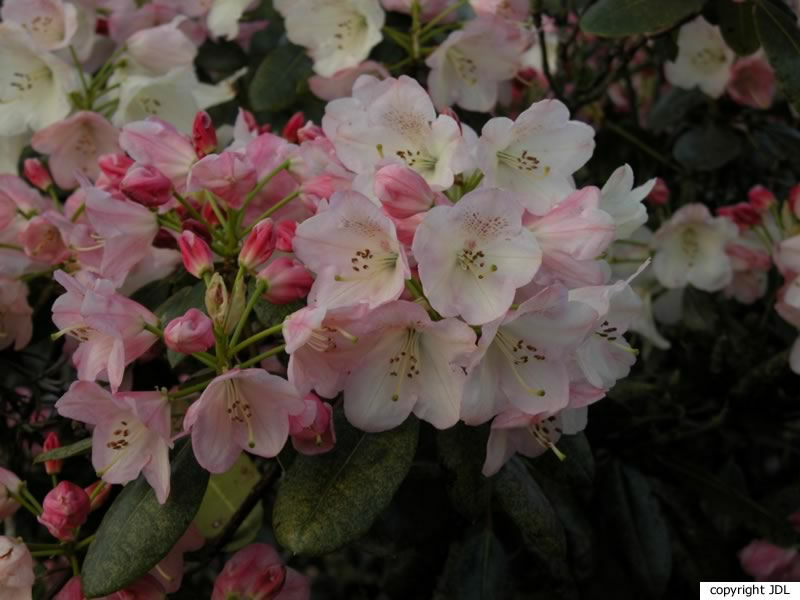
[(737, 590)]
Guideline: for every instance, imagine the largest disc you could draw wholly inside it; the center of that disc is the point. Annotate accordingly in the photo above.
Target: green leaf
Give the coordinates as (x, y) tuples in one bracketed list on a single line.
[(270, 314), (461, 449), (632, 513), (737, 26), (328, 500), (671, 108), (225, 494), (577, 469), (276, 81), (80, 447), (137, 531), (620, 18), (477, 569), (191, 296), (780, 36), (521, 498), (707, 148)]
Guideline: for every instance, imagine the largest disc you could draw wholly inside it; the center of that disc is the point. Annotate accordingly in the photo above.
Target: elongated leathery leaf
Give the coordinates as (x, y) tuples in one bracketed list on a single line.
[(328, 500), (137, 532)]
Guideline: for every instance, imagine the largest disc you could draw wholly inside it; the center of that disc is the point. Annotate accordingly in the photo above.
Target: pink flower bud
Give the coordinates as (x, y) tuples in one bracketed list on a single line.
[(249, 119), (255, 572), (761, 198), (193, 332), (35, 172), (312, 430), (51, 442), (767, 562), (284, 234), (146, 185), (287, 280), (72, 590), (100, 497), (309, 132), (9, 483), (204, 136), (42, 241), (752, 82), (114, 167), (794, 200), (294, 123), (196, 254), (16, 569), (66, 507), (258, 246), (741, 213), (659, 195), (402, 191)]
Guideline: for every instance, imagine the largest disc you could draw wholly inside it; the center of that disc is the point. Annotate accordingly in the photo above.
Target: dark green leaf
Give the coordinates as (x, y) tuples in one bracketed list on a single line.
[(80, 447), (521, 498), (620, 18), (270, 314), (191, 296), (707, 148), (577, 469), (671, 108), (780, 36), (276, 81), (477, 569), (137, 531), (221, 58), (462, 449), (633, 516), (329, 500), (699, 310), (737, 26)]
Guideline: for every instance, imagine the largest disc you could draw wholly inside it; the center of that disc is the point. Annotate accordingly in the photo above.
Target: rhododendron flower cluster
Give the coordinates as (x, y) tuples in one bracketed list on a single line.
[(423, 240)]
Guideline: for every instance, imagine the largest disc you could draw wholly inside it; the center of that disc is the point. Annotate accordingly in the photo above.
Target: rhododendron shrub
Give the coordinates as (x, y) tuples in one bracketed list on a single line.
[(399, 299)]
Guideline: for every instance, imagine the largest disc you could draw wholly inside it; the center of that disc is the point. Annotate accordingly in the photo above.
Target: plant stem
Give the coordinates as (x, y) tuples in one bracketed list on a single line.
[(256, 338), (257, 359), (642, 145), (261, 287), (272, 209), (192, 389), (259, 186)]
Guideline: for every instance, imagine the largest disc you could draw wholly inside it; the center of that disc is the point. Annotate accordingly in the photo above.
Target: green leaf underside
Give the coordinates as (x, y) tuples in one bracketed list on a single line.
[(619, 18)]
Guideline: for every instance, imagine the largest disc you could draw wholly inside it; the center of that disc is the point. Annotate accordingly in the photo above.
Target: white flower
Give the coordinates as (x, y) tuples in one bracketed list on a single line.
[(174, 97), (690, 248), (10, 150), (535, 155), (469, 66), (223, 18), (394, 120), (704, 60), (624, 202), (51, 23), (338, 34), (34, 84)]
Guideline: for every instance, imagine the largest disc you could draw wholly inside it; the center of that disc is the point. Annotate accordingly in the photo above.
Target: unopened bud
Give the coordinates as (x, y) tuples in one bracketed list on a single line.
[(97, 497), (287, 280), (761, 198), (258, 246), (292, 126), (192, 332), (66, 507), (146, 185), (402, 191), (51, 442), (204, 136), (196, 255), (284, 235), (35, 172), (659, 195)]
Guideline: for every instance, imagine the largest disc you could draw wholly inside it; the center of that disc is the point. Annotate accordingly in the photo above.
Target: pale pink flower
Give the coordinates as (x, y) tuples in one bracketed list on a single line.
[(23, 197), (156, 143), (624, 202), (321, 348), (312, 430), (109, 326), (74, 144), (16, 569), (395, 120), (353, 248), (469, 67), (66, 507), (536, 154), (690, 249), (605, 355), (704, 59), (241, 410), (515, 10), (287, 280), (131, 433), (407, 364), (257, 572), (192, 332), (752, 82), (161, 48), (127, 229), (340, 84), (51, 23), (515, 432), (9, 484), (767, 562), (42, 241), (229, 175), (16, 327), (474, 255)]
